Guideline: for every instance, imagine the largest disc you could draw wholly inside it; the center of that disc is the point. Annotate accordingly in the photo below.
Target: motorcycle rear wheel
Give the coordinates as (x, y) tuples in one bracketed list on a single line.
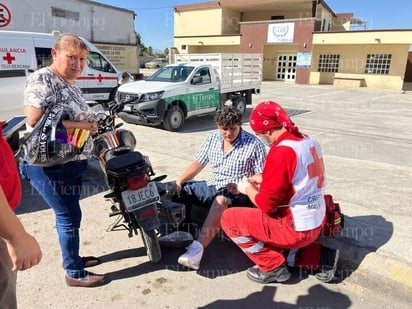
[(152, 245)]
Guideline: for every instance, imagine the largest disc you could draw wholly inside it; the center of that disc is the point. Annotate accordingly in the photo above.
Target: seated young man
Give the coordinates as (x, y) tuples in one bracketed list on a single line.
[(233, 154)]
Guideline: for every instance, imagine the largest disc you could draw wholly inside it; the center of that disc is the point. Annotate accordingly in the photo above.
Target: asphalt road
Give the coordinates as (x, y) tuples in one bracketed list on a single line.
[(365, 135)]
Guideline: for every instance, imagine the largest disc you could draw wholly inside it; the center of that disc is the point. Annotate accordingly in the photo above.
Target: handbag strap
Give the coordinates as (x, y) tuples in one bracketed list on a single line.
[(26, 137)]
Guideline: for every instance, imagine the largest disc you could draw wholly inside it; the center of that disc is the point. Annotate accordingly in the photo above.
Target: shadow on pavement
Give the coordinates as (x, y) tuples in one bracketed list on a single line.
[(318, 294), (94, 180), (221, 258), (361, 236), (212, 265), (31, 200), (123, 254), (222, 253), (318, 297), (169, 261)]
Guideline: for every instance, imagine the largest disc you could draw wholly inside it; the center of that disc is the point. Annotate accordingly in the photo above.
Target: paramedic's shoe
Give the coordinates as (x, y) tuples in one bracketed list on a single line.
[(279, 274), (328, 264), (193, 255)]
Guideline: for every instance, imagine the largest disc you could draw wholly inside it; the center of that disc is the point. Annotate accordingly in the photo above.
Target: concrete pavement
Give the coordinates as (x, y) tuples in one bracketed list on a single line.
[(365, 135)]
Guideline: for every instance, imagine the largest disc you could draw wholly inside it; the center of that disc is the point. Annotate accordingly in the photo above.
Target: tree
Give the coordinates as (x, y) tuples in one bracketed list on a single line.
[(143, 50), (148, 51)]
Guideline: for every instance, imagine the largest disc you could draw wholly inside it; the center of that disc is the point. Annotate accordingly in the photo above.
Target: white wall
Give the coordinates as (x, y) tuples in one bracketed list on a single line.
[(94, 21)]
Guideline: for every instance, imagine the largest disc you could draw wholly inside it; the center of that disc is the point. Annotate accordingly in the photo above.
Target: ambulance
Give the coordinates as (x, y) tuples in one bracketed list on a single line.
[(21, 53)]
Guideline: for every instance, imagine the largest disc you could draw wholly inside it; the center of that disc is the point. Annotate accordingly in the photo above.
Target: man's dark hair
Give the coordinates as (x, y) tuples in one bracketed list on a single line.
[(228, 116)]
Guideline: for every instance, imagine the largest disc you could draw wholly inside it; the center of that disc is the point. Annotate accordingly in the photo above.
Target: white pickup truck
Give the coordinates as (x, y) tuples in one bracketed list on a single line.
[(197, 84)]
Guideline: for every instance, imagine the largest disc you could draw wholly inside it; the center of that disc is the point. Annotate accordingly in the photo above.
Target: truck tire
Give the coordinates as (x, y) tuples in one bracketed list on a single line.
[(152, 245), (240, 104), (174, 119)]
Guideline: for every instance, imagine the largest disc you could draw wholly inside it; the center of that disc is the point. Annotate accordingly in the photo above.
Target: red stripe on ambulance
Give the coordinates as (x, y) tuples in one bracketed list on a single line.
[(98, 77)]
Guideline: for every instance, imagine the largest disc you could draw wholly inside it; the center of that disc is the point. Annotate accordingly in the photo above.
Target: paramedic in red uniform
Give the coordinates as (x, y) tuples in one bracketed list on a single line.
[(18, 249), (288, 196)]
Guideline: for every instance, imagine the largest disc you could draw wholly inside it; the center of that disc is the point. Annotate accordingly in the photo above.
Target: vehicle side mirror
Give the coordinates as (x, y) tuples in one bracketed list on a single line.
[(197, 80)]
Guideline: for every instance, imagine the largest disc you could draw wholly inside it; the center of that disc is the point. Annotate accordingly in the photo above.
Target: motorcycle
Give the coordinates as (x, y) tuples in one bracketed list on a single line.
[(11, 130), (139, 201)]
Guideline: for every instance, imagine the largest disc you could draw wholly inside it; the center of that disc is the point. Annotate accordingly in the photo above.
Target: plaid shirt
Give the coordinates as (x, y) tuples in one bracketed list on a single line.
[(245, 158)]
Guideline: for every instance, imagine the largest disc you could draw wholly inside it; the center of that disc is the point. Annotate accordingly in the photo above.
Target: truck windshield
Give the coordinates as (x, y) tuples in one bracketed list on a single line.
[(171, 74)]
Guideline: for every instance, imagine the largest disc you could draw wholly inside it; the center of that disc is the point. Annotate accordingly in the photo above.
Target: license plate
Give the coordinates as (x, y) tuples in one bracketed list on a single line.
[(138, 198)]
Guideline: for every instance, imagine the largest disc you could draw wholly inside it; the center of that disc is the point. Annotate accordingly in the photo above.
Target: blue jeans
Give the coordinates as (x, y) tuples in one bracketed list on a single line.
[(60, 186), (197, 192), (202, 194)]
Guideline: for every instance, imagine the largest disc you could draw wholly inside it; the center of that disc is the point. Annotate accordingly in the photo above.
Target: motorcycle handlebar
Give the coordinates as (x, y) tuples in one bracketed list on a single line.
[(116, 107), (107, 123)]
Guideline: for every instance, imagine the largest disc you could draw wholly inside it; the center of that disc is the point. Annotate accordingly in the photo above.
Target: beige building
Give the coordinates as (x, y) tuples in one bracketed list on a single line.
[(302, 41)]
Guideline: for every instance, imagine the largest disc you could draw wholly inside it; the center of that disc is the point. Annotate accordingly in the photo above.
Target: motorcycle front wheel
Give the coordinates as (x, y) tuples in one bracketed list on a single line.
[(152, 245)]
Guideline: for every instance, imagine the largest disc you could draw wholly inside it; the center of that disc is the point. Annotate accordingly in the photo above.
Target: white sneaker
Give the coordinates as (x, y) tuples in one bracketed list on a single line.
[(192, 257)]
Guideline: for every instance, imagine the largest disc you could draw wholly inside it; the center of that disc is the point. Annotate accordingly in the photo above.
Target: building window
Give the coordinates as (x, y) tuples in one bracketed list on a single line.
[(329, 63), (324, 24), (378, 63), (62, 13)]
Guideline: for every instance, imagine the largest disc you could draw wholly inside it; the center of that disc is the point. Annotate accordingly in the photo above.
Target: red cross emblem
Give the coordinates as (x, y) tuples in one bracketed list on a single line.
[(100, 78), (9, 58), (317, 168)]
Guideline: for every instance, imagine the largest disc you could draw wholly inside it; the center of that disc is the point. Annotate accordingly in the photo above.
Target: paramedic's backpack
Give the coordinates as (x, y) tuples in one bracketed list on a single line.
[(333, 221)]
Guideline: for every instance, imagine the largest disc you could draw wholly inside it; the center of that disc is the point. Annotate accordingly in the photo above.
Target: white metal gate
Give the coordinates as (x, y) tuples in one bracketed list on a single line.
[(286, 67)]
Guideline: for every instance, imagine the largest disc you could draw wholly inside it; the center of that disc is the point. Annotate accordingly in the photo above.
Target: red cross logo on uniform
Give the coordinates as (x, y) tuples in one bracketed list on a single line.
[(317, 168), (9, 58), (100, 78)]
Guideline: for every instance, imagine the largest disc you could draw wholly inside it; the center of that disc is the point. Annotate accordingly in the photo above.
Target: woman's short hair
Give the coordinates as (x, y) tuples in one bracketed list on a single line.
[(70, 41)]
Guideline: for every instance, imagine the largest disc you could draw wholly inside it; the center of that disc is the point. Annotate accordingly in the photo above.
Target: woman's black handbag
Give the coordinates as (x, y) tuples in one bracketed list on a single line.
[(50, 143)]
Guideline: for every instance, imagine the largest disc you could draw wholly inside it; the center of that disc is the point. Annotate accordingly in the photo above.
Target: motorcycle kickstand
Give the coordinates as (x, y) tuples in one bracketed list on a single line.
[(116, 226)]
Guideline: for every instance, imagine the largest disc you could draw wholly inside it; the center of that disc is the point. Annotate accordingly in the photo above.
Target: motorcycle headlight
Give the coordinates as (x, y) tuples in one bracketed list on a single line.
[(151, 96)]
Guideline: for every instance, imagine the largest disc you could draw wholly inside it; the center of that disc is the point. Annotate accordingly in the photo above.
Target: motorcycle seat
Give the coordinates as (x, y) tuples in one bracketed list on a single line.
[(111, 153), (126, 162)]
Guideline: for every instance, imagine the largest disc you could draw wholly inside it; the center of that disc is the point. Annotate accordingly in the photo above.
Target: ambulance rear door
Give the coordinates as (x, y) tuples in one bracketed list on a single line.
[(99, 79)]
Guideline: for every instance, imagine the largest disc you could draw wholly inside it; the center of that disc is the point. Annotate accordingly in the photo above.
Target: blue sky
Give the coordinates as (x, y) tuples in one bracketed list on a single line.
[(154, 20)]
